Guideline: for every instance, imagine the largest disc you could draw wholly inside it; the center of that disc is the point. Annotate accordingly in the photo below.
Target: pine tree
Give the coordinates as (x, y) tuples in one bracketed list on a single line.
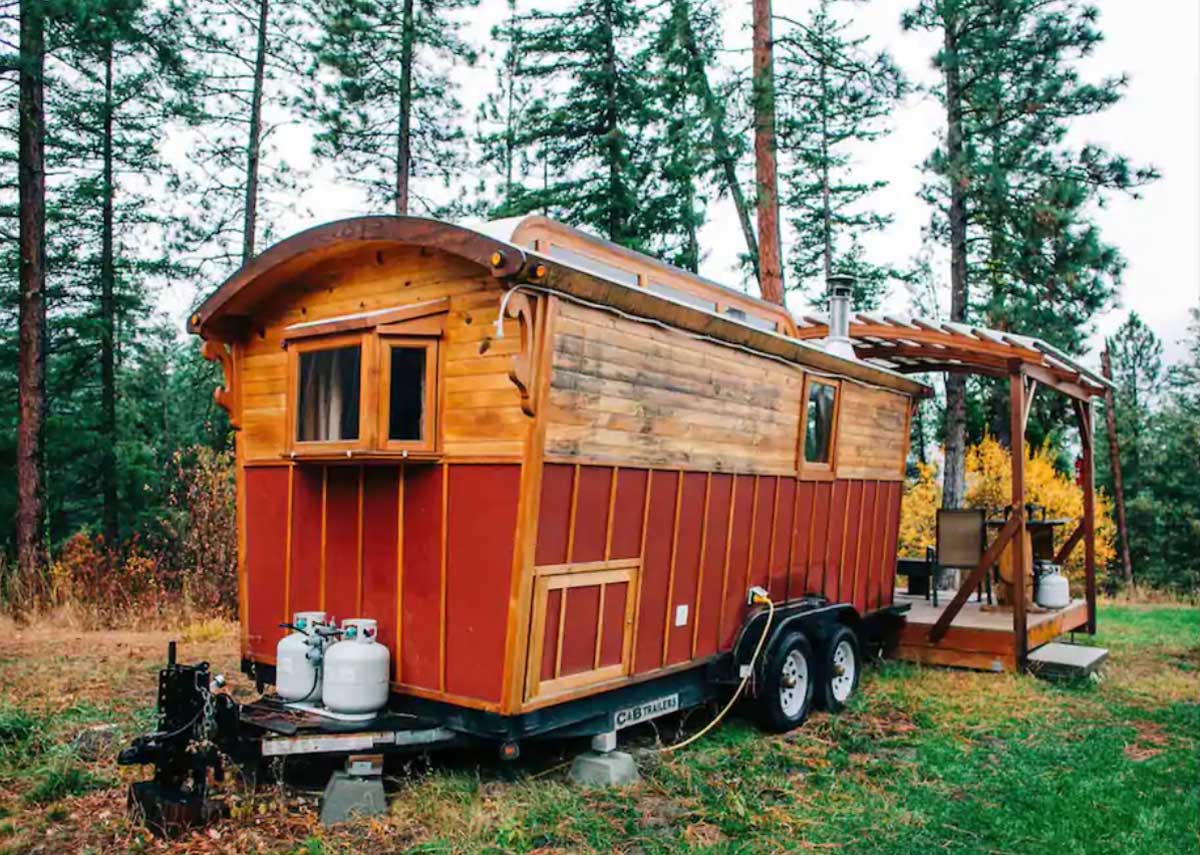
[(954, 19), (686, 36), (1012, 196), (498, 120), (587, 129), (128, 81), (695, 27), (833, 96), (385, 105), (1177, 555), (246, 54), (1163, 429), (1136, 356)]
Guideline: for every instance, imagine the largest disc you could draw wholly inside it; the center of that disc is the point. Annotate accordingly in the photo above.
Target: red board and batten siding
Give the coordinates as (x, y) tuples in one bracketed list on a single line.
[(359, 531), (703, 539)]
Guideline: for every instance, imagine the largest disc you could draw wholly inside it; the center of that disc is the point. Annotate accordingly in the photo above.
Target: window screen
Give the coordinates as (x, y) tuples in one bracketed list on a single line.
[(818, 426), (406, 398), (329, 387)]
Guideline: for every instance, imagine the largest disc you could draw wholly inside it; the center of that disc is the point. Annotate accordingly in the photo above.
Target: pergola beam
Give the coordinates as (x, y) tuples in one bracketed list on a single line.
[(1073, 388), (939, 341)]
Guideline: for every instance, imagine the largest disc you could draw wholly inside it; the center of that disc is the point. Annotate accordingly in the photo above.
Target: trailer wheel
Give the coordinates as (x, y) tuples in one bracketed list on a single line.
[(787, 692), (838, 669)]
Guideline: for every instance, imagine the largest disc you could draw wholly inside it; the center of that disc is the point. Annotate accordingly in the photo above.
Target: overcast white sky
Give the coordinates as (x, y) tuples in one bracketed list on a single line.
[(1157, 42)]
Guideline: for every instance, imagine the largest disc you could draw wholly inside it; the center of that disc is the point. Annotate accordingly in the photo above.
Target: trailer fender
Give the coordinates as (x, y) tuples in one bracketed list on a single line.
[(812, 616)]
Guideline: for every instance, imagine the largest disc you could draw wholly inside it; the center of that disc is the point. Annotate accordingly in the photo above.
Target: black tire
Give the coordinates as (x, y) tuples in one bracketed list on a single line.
[(779, 711), (839, 652)]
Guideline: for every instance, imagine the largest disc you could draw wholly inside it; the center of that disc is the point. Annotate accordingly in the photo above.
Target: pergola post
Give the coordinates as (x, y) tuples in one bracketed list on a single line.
[(1083, 410), (1019, 400)]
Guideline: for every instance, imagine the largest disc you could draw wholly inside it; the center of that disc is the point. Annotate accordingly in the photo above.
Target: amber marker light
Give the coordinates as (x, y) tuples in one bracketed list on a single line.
[(539, 271), (497, 259)]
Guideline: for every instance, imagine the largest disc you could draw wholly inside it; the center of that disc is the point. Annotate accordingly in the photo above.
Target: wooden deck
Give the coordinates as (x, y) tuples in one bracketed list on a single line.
[(981, 636)]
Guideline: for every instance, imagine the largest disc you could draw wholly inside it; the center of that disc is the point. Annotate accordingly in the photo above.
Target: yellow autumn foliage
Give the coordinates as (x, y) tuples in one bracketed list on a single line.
[(918, 512), (989, 483)]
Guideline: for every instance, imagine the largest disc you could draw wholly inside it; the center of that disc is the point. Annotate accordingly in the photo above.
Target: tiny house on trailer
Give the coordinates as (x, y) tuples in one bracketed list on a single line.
[(552, 470)]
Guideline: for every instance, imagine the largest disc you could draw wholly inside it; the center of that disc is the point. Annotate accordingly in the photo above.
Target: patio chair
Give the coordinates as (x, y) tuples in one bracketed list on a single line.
[(961, 542)]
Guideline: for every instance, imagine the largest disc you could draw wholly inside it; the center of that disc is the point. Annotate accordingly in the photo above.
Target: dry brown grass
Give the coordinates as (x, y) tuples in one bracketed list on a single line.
[(48, 665)]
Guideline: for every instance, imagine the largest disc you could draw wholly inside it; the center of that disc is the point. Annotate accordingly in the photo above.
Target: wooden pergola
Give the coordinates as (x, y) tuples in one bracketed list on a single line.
[(916, 345)]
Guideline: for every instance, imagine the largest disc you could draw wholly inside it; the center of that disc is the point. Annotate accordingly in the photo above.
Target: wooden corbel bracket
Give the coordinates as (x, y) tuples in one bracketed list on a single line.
[(215, 351), (522, 370)]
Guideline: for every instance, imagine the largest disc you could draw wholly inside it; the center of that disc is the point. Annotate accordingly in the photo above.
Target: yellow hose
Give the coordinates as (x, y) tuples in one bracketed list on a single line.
[(759, 600)]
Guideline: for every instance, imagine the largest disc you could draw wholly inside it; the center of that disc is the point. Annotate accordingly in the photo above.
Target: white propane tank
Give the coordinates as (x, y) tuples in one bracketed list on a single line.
[(356, 670), (296, 677), (1053, 591)]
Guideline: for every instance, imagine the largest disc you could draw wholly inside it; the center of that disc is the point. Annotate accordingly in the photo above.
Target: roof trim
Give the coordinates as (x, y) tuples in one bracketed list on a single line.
[(534, 221), (587, 287)]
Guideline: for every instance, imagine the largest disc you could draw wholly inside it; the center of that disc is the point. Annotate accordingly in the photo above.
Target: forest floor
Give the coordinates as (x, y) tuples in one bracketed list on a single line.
[(924, 760)]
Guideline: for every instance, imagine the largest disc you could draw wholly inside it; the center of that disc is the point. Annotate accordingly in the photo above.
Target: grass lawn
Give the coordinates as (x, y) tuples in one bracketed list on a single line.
[(926, 760)]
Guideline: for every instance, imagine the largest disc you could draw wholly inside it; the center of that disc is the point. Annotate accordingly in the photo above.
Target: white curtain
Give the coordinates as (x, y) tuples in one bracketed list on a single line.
[(329, 389)]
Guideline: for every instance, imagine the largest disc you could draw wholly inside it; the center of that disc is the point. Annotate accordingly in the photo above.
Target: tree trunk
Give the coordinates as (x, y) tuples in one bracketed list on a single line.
[(404, 136), (108, 322), (616, 224), (510, 143), (715, 113), (31, 364), (1114, 461), (692, 251), (254, 143), (770, 277), (954, 477), (826, 212)]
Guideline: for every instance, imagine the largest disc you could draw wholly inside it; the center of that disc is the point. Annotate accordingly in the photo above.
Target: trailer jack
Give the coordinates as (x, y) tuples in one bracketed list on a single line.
[(194, 724)]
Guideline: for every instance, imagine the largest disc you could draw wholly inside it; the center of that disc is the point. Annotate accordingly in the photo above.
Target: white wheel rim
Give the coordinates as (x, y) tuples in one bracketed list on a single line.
[(844, 669), (793, 685)]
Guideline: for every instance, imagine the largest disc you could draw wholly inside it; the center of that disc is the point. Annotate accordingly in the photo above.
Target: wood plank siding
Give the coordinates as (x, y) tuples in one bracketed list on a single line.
[(622, 391)]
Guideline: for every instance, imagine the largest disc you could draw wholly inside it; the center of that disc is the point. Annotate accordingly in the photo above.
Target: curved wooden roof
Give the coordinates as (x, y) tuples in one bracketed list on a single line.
[(238, 295), (914, 345), (227, 313)]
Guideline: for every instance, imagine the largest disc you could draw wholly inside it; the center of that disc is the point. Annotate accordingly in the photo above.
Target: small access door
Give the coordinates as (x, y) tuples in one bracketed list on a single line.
[(582, 626)]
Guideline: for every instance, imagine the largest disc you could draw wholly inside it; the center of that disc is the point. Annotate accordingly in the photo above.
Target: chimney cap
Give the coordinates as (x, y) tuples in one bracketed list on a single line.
[(840, 284)]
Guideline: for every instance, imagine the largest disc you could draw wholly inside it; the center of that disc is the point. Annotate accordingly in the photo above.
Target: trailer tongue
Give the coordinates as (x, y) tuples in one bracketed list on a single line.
[(192, 719), (201, 729)]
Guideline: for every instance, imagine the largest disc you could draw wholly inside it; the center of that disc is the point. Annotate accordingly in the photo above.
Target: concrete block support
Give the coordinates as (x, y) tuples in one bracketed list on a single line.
[(612, 769), (350, 796)]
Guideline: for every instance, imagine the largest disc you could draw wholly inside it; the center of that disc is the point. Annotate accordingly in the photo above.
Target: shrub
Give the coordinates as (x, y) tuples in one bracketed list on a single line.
[(203, 524), (187, 566)]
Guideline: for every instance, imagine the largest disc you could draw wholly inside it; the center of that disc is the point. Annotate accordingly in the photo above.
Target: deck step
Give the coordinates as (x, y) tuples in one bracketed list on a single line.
[(1059, 661)]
